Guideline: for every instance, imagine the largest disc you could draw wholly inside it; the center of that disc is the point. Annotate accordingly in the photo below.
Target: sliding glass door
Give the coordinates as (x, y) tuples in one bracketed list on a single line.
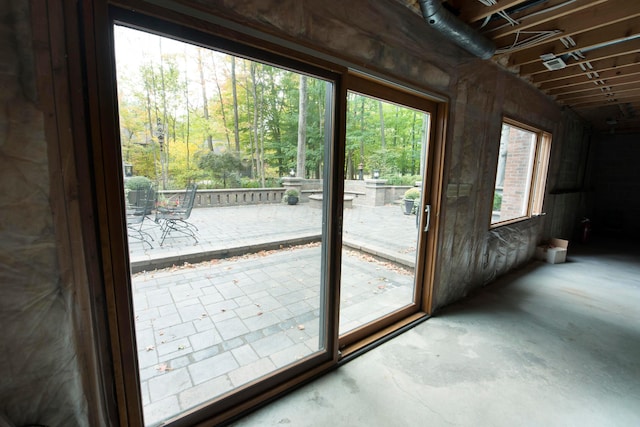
[(387, 139), (220, 155), (261, 214)]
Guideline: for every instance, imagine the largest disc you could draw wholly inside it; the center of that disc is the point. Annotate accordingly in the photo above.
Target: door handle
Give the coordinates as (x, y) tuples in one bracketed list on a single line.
[(427, 210)]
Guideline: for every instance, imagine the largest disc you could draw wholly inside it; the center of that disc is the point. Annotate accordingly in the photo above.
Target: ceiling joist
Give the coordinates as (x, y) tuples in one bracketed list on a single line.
[(618, 49), (584, 40), (591, 49)]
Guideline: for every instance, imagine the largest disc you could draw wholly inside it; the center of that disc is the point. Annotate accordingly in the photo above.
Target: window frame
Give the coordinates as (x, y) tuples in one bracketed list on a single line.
[(364, 85), (223, 407), (537, 180)]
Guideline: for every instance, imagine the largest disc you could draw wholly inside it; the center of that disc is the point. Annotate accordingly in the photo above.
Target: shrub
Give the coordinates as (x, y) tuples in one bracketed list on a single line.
[(412, 194), (250, 183), (137, 182), (402, 179), (291, 193)]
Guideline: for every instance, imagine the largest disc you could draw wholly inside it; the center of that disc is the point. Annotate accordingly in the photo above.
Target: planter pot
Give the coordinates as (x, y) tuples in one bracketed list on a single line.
[(292, 200), (407, 206)]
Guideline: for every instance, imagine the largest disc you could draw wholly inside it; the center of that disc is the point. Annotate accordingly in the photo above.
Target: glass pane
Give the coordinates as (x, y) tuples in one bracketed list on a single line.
[(513, 177), (220, 157), (384, 169)]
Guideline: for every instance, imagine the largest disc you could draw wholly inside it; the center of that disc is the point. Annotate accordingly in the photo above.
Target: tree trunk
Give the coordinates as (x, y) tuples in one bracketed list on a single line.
[(383, 143), (254, 95), (186, 97), (254, 167), (413, 143), (222, 104), (261, 131), (236, 126), (163, 131), (205, 101), (362, 129), (152, 127), (302, 128)]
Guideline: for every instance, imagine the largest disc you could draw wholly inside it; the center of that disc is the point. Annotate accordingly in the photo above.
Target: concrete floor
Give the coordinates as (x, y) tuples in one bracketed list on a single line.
[(548, 345)]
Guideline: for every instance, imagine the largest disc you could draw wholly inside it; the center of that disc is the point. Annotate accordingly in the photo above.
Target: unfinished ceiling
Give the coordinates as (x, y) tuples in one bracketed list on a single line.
[(583, 53)]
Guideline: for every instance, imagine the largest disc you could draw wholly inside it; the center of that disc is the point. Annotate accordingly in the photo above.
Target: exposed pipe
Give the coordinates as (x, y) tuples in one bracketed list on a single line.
[(455, 30)]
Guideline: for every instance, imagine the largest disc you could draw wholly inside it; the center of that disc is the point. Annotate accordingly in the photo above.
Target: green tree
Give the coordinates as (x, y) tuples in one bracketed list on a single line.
[(221, 166)]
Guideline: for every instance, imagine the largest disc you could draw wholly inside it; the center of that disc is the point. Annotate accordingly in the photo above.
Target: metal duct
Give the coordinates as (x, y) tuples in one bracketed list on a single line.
[(456, 30)]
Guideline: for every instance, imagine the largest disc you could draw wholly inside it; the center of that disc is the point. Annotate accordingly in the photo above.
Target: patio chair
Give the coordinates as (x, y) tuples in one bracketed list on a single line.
[(137, 213), (174, 218)]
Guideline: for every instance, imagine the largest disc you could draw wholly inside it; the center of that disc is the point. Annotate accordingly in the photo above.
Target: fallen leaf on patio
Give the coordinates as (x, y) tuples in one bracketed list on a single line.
[(223, 310), (381, 286), (181, 347), (161, 333), (235, 281), (163, 367), (203, 315), (301, 327), (259, 313), (150, 348)]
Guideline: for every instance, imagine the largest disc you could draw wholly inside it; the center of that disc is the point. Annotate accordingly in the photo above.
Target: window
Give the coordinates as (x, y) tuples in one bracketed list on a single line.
[(521, 172), (206, 129)]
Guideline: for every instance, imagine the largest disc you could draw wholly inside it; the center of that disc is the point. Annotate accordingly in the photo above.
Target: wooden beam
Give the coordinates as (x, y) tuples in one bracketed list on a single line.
[(586, 86), (617, 62), (477, 11), (599, 102), (556, 18), (623, 48), (584, 40), (598, 91)]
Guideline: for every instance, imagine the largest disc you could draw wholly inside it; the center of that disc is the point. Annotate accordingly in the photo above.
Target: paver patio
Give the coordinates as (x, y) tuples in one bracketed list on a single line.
[(204, 329)]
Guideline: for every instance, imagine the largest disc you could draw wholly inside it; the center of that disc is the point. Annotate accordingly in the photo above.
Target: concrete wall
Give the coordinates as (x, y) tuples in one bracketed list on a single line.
[(39, 355), (40, 374), (569, 192)]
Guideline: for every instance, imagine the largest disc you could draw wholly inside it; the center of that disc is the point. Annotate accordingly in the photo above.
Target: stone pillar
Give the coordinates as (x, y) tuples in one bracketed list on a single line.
[(375, 190), (294, 183)]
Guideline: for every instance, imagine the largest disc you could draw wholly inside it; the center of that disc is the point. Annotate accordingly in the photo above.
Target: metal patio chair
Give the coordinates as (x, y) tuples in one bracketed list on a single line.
[(174, 218), (136, 214)]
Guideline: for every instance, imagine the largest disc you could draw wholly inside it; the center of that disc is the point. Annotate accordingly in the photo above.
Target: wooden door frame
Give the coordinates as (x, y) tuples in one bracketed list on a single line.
[(361, 337)]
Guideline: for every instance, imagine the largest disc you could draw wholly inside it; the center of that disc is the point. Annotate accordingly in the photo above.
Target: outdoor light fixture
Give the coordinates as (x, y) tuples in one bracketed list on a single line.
[(292, 173), (128, 170), (376, 174)]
